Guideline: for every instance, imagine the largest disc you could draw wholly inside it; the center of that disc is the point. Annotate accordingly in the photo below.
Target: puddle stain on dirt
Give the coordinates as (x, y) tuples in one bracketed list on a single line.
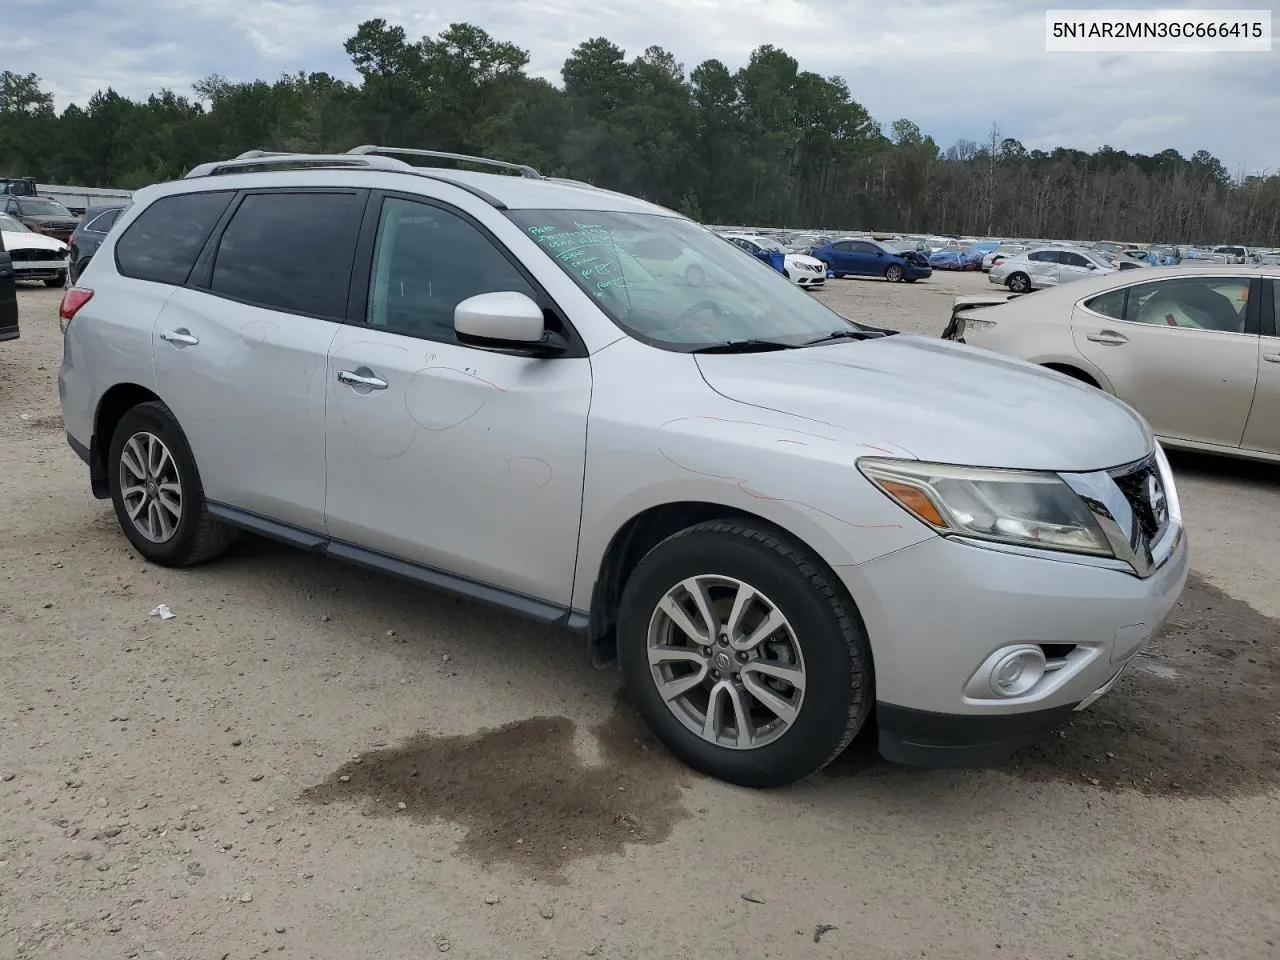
[(1196, 715), (522, 792)]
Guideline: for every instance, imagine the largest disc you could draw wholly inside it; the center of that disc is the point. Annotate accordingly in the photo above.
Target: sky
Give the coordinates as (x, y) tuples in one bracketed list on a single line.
[(955, 67)]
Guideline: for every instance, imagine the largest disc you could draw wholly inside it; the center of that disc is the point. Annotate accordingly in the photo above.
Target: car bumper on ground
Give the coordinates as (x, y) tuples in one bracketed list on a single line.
[(940, 613)]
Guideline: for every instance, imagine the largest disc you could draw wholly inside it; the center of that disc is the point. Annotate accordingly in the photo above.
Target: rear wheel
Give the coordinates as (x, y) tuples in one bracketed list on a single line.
[(156, 490), (893, 273), (1018, 282), (745, 660)]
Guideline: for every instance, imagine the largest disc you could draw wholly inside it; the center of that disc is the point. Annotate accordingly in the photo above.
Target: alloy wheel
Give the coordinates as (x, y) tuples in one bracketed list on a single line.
[(726, 662), (150, 487)]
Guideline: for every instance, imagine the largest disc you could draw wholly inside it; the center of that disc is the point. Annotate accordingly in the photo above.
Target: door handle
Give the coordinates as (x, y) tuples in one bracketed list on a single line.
[(1271, 357), (354, 379), (1109, 337), (181, 337)]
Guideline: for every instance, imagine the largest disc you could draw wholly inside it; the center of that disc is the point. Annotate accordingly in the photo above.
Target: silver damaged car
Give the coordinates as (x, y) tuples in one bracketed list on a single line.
[(780, 524)]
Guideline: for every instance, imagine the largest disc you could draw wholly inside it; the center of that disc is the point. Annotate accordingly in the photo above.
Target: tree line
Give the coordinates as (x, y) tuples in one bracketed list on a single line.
[(769, 144)]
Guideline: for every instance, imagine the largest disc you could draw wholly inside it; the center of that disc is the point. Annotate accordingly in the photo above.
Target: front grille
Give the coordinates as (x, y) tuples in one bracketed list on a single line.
[(27, 255), (1144, 489)]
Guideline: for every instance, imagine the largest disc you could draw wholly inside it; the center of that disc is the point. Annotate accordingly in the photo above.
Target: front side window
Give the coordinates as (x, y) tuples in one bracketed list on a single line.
[(426, 261), (1203, 303), (291, 252), (732, 299), (162, 244)]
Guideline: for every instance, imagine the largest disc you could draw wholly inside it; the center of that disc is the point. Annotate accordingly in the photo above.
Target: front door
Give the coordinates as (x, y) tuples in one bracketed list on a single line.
[(1183, 352), (1263, 429), (456, 458)]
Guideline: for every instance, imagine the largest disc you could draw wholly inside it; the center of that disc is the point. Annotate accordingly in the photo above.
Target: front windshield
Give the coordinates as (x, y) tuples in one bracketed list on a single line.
[(43, 208), (14, 226), (674, 284)]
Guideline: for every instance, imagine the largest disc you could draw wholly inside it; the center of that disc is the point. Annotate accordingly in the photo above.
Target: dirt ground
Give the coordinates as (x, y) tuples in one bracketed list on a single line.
[(311, 761)]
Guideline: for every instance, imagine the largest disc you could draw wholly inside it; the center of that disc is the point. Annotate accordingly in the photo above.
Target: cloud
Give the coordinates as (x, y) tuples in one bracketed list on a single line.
[(955, 67)]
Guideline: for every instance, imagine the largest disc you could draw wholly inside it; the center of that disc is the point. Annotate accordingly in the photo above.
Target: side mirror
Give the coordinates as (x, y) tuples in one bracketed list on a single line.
[(503, 320), (1091, 266)]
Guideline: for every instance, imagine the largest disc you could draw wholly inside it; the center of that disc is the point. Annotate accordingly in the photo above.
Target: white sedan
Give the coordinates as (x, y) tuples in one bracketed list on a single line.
[(35, 256), (1048, 267), (801, 269), (1195, 350)]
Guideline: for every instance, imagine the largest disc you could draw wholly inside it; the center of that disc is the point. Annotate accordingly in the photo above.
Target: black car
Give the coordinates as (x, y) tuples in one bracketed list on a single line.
[(43, 215), (8, 296), (88, 236)]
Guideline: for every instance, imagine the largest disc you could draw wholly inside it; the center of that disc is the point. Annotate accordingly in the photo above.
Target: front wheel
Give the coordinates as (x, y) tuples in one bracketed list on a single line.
[(1018, 282), (893, 273), (157, 493), (744, 659)]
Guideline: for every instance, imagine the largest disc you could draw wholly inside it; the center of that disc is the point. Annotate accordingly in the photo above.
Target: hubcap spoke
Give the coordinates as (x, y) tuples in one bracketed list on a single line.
[(778, 671), (669, 654), (769, 625), (681, 619), (697, 591), (682, 685), (784, 710)]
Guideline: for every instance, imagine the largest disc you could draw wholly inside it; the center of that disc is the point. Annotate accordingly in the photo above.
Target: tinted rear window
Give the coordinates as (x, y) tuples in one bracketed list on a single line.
[(162, 244), (290, 251)]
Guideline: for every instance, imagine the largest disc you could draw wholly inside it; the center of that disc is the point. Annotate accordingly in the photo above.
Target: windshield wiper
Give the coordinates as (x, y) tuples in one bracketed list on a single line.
[(743, 346), (844, 335)]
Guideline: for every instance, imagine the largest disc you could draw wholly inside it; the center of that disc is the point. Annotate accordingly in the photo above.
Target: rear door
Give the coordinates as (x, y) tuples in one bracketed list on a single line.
[(1262, 432), (1043, 266), (1182, 351), (240, 351), (8, 296)]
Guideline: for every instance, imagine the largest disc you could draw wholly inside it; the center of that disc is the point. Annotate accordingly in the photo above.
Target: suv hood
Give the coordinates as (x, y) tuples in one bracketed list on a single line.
[(13, 240), (938, 401)]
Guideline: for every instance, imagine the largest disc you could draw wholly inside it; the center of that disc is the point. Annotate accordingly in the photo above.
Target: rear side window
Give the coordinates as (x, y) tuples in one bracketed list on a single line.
[(162, 244), (1109, 304), (291, 252)]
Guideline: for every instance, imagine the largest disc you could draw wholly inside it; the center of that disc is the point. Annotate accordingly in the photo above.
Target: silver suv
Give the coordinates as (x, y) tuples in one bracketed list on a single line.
[(781, 523)]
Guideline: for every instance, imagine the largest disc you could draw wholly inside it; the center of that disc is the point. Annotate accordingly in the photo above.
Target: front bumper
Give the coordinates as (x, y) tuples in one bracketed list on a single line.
[(937, 610), (38, 269), (916, 272)]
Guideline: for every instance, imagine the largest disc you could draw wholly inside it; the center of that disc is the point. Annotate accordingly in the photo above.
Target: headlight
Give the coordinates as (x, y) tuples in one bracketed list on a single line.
[(1018, 507)]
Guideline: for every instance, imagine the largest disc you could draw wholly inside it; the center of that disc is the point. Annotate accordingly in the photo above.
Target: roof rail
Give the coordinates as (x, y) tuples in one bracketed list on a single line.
[(258, 159), (523, 169)]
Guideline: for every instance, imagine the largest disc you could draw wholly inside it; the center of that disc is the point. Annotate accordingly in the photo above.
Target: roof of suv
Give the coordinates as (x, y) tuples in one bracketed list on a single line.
[(527, 190)]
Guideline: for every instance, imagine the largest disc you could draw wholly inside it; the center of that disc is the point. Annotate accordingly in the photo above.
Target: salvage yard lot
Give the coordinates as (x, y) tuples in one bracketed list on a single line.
[(314, 761)]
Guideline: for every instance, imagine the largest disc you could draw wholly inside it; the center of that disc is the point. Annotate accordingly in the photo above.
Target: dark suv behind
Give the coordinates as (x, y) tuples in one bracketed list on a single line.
[(8, 296), (89, 234)]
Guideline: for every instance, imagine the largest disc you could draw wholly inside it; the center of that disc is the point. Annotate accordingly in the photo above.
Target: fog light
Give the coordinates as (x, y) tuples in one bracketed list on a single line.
[(1017, 671)]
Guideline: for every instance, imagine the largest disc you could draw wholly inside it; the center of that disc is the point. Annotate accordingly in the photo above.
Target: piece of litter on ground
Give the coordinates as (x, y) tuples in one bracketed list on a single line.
[(822, 928), (752, 896), (163, 612)]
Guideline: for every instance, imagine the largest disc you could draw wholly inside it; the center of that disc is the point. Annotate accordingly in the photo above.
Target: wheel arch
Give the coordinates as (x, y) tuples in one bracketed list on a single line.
[(1078, 369), (644, 531), (115, 403)]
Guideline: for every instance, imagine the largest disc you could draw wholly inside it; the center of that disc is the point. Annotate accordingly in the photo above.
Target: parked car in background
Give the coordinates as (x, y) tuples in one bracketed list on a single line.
[(969, 547), (34, 256), (850, 256), (8, 295), (42, 215), (88, 235), (805, 242), (1232, 253), (956, 257), (1002, 252), (1110, 246), (1048, 267), (909, 244), (1195, 350), (799, 268)]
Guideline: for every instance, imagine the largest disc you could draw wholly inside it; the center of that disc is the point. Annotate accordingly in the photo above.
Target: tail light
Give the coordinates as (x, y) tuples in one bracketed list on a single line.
[(72, 301)]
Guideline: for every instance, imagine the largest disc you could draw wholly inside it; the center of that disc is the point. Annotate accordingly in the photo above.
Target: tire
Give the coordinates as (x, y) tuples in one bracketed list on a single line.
[(195, 536), (893, 273), (1018, 282), (694, 275), (821, 633), (59, 281)]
